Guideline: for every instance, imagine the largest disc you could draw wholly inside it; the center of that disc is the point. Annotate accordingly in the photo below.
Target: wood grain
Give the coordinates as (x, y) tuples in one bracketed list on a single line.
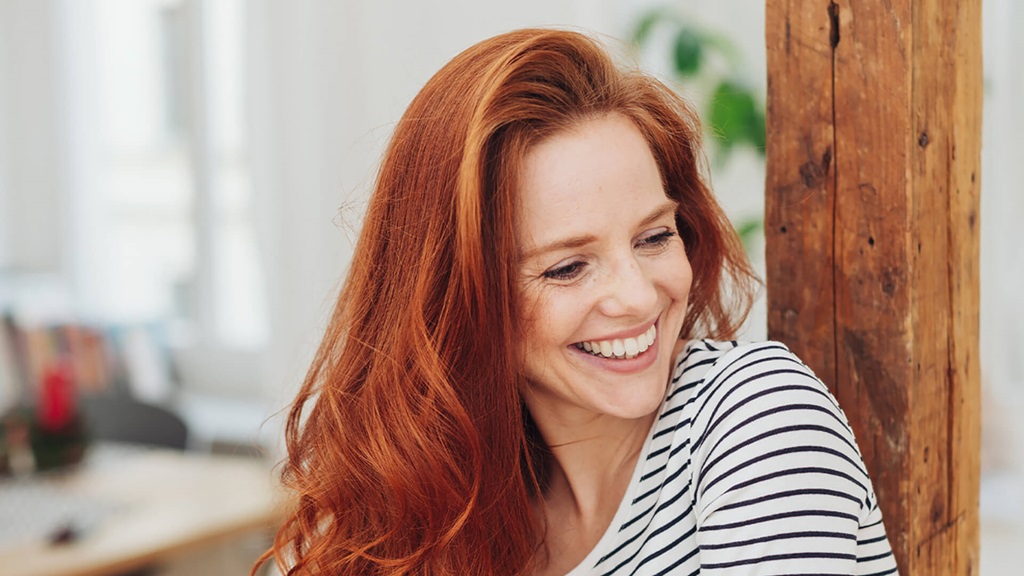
[(898, 281), (800, 183)]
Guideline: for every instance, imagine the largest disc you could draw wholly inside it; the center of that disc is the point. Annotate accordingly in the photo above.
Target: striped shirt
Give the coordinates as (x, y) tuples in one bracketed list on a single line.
[(750, 468)]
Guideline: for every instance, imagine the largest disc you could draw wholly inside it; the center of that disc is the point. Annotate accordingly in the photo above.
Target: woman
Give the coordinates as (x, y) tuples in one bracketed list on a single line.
[(528, 369)]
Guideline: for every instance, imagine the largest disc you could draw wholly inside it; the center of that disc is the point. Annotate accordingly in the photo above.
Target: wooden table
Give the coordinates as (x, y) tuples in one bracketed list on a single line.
[(164, 502)]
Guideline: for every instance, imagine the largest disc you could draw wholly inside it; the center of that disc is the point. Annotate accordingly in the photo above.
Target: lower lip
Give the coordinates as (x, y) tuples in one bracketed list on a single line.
[(632, 365)]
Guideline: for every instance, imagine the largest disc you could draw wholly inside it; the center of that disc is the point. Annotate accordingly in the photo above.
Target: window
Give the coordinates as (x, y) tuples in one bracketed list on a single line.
[(133, 193), (178, 218)]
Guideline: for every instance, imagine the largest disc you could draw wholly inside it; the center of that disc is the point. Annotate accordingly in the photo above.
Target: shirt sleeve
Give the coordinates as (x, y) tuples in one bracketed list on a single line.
[(779, 483)]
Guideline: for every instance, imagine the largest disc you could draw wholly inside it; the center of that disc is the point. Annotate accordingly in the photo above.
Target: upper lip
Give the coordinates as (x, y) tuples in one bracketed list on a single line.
[(622, 334)]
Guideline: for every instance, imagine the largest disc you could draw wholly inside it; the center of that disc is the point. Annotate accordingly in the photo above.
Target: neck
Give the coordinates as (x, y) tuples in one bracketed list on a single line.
[(592, 465), (590, 472)]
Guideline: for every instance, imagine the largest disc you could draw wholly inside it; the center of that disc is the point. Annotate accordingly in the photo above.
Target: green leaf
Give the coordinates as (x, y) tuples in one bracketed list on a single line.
[(734, 116), (757, 130), (748, 229), (687, 52), (646, 24), (720, 43), (749, 226)]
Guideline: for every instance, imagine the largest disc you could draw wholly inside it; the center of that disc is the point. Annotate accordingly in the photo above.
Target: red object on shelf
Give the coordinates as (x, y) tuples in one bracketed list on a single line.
[(56, 408)]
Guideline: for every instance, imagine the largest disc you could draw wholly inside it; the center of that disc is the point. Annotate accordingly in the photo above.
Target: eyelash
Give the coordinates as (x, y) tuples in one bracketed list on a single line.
[(653, 242), (658, 240), (567, 272)]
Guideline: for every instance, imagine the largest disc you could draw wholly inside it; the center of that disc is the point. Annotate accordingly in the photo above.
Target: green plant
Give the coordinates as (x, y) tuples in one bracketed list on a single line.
[(710, 62), (735, 111)]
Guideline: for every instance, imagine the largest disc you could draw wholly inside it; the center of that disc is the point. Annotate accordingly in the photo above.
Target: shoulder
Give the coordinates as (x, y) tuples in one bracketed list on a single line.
[(722, 367), (771, 451), (760, 401), (720, 352), (746, 371), (734, 390), (760, 381), (729, 392)]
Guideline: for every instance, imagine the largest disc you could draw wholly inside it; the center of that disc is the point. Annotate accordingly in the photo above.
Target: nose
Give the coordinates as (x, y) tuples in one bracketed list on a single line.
[(629, 291)]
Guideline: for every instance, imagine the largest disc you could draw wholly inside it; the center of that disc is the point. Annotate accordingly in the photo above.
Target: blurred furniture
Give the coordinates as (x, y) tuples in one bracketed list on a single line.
[(128, 507), (119, 418)]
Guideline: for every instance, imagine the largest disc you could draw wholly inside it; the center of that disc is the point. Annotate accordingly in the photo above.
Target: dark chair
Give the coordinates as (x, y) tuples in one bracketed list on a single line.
[(118, 418)]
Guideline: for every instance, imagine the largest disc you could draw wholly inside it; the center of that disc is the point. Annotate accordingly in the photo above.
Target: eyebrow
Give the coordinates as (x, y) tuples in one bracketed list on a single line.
[(667, 207)]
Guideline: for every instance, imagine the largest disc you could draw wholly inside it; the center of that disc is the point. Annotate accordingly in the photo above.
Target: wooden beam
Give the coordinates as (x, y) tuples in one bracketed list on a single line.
[(874, 139)]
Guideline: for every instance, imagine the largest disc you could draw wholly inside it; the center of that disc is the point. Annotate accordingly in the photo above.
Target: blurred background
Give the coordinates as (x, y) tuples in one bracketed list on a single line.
[(181, 182)]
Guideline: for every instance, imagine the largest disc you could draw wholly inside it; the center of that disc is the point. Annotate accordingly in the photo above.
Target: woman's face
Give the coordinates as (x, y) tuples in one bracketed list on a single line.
[(604, 277)]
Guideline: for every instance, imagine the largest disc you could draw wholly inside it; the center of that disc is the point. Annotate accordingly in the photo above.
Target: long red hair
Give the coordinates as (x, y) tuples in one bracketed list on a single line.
[(409, 448)]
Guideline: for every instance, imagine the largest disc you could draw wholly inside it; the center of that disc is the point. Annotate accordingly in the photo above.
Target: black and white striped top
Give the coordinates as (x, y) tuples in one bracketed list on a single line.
[(750, 468)]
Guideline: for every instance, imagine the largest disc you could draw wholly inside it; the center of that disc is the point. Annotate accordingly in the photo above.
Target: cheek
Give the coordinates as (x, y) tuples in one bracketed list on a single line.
[(677, 276), (531, 320), (537, 342), (685, 279), (548, 319), (539, 329)]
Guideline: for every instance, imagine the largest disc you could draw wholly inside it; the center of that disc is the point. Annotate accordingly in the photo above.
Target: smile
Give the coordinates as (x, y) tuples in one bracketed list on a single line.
[(620, 348)]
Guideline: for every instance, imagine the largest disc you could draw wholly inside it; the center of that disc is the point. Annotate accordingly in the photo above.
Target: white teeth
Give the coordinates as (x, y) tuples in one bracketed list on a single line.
[(624, 348), (617, 348), (632, 346), (646, 340)]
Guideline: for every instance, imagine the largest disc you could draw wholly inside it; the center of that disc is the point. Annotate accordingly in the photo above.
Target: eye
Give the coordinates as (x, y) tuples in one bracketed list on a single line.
[(568, 271), (656, 240)]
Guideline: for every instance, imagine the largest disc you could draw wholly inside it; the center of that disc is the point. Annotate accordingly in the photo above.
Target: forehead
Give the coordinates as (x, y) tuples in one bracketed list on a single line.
[(589, 179)]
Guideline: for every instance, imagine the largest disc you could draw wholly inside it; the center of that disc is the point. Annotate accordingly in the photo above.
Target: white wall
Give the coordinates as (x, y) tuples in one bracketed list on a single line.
[(1002, 200), (31, 195)]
